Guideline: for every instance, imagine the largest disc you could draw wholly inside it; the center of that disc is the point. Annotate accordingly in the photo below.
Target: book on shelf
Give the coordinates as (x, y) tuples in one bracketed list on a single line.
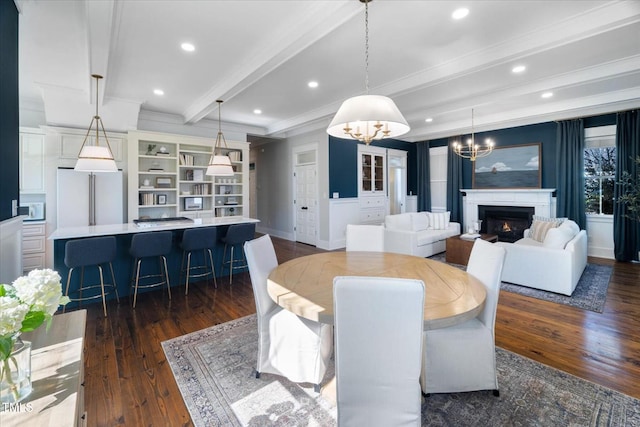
[(186, 160), (147, 187), (156, 170), (163, 153), (235, 156)]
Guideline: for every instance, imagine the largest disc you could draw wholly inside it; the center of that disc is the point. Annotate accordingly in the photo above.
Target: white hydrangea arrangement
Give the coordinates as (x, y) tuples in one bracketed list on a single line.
[(26, 304)]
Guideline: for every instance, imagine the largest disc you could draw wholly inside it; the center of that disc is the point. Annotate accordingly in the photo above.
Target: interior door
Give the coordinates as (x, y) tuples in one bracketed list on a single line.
[(306, 203)]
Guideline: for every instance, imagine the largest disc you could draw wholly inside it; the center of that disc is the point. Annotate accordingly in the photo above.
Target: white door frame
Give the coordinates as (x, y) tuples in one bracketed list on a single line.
[(294, 162)]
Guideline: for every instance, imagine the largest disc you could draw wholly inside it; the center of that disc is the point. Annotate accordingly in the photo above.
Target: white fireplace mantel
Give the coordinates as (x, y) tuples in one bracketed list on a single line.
[(539, 198)]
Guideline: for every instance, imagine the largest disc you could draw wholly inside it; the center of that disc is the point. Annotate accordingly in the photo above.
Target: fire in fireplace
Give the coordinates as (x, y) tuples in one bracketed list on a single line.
[(507, 222)]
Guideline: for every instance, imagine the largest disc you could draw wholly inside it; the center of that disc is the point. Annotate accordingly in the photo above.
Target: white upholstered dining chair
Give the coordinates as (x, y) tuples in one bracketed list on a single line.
[(462, 357), (378, 331), (288, 345), (363, 237)]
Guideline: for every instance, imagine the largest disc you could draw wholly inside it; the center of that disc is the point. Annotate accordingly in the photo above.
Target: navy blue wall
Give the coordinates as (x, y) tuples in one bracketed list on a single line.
[(343, 165), (343, 153), (9, 116)]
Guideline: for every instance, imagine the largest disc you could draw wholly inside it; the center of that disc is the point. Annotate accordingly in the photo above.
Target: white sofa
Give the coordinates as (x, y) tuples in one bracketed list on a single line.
[(553, 265), (418, 233)]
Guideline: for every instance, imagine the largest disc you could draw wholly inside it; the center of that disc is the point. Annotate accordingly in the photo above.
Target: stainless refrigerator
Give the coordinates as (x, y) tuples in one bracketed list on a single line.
[(74, 198)]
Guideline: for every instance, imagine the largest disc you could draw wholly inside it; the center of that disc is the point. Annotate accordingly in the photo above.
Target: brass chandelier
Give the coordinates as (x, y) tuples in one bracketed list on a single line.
[(471, 150)]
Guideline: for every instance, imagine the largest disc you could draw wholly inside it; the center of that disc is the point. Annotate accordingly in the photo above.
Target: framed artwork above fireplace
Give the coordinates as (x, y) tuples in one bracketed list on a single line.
[(516, 166)]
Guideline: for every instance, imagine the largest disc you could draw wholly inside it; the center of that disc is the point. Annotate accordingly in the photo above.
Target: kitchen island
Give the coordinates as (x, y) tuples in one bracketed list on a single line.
[(124, 263)]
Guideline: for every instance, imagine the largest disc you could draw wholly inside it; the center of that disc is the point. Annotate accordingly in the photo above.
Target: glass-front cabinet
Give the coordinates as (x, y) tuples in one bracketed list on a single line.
[(167, 178), (372, 171)]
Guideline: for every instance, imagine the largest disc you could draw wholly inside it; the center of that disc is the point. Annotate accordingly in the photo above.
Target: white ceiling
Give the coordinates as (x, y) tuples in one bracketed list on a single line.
[(261, 54)]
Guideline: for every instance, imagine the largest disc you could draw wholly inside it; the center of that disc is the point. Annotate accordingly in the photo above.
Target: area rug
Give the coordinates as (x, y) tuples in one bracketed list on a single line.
[(590, 293), (214, 369)]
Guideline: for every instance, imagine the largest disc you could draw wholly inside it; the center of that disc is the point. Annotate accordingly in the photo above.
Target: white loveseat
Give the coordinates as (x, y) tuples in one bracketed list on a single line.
[(418, 233), (554, 265)]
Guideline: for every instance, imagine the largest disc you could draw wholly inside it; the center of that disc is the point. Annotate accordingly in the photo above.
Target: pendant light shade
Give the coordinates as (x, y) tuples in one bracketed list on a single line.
[(94, 157), (220, 164), (368, 117)]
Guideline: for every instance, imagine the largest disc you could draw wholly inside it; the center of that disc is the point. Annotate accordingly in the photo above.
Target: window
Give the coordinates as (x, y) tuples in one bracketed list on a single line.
[(599, 170)]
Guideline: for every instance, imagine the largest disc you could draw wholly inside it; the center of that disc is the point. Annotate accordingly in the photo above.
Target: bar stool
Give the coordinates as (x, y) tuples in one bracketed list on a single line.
[(237, 234), (147, 245), (93, 251), (198, 239)]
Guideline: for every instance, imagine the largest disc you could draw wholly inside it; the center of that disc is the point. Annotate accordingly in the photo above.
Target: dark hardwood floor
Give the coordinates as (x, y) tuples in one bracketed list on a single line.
[(128, 381)]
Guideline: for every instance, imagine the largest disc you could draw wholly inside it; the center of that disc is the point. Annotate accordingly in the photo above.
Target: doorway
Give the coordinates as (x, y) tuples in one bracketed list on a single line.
[(397, 173), (305, 200)]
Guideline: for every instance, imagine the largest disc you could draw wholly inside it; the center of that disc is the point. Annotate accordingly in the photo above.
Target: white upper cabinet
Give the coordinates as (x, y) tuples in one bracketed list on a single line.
[(31, 163)]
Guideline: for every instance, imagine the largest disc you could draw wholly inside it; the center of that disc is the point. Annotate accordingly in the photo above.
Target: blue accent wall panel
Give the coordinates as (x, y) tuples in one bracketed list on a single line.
[(343, 167), (9, 124)]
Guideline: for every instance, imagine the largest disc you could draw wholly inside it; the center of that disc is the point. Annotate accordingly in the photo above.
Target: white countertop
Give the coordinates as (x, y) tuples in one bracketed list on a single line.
[(130, 228)]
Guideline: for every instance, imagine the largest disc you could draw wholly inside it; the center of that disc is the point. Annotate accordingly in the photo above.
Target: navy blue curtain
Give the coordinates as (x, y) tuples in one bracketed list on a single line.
[(626, 232), (454, 184), (570, 171), (424, 177)]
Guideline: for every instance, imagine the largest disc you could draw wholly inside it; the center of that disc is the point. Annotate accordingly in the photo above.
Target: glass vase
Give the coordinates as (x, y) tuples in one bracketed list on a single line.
[(15, 378)]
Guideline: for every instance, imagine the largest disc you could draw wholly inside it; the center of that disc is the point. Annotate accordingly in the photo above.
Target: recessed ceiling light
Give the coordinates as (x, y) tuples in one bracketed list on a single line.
[(257, 111), (547, 95), (158, 92), (460, 13), (188, 47), (428, 119), (518, 69), (312, 84)]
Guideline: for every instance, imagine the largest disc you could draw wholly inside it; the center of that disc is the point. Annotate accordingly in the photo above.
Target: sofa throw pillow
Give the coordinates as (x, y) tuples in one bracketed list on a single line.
[(570, 226), (557, 238), (419, 221), (541, 225), (439, 220)]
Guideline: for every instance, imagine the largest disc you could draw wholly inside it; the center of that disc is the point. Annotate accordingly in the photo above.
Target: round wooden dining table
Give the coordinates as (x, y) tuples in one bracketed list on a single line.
[(304, 285)]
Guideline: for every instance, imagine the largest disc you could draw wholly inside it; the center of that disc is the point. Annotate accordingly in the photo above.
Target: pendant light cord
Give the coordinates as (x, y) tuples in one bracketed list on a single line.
[(366, 45)]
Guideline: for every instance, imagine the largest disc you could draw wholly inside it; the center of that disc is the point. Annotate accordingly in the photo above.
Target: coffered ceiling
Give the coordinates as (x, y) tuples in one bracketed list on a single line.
[(260, 55)]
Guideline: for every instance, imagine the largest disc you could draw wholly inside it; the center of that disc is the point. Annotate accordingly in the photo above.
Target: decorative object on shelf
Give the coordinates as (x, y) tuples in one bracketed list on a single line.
[(150, 149), (373, 116), (220, 164), (162, 151), (24, 306), (96, 158), (472, 150), (164, 182), (193, 203), (162, 199)]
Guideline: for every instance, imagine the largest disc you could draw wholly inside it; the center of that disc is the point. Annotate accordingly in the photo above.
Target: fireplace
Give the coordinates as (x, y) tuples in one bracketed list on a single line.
[(507, 222)]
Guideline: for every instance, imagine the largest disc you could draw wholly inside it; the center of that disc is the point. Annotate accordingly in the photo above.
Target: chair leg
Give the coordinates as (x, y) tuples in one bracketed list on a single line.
[(213, 269), (231, 266), (137, 279), (66, 292), (186, 273), (166, 275), (496, 393), (113, 280), (257, 374), (316, 388), (104, 299)]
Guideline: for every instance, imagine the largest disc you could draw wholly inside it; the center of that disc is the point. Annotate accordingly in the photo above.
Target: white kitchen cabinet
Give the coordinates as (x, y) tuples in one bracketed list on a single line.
[(31, 162), (33, 246)]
